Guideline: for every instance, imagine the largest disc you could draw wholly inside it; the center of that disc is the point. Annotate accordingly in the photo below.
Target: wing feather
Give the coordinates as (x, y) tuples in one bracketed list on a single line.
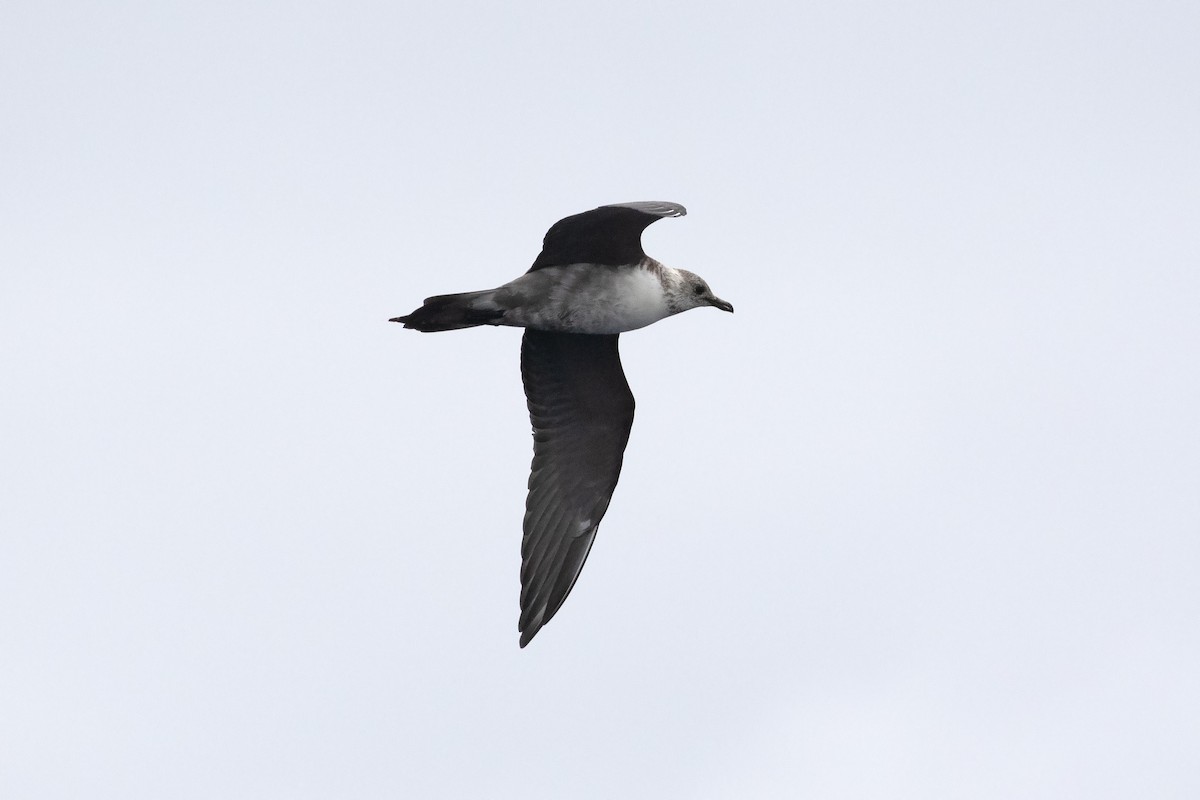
[(606, 235), (582, 411)]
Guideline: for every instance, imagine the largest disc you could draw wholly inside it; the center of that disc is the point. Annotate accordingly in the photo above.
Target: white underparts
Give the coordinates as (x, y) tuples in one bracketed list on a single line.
[(583, 298)]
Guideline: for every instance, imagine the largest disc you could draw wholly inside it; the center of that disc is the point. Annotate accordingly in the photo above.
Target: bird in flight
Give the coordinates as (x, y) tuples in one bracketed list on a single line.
[(591, 282)]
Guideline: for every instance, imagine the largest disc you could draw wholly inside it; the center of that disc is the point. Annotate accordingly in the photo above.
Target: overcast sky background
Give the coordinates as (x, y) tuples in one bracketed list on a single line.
[(922, 519)]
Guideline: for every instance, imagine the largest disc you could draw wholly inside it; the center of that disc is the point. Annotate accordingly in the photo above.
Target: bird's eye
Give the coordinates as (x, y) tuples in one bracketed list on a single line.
[(698, 288)]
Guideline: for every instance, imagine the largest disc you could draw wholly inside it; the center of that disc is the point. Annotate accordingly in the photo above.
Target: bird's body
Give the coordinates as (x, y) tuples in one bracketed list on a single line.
[(582, 298), (579, 298), (591, 282)]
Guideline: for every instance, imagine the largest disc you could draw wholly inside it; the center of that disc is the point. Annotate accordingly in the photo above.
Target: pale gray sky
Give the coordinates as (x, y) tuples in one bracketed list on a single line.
[(921, 520)]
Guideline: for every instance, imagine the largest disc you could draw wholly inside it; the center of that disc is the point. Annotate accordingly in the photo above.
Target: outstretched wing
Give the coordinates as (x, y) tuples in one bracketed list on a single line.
[(582, 410), (605, 235)]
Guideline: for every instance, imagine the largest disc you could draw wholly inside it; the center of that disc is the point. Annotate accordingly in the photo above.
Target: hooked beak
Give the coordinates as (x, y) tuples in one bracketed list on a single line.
[(721, 304)]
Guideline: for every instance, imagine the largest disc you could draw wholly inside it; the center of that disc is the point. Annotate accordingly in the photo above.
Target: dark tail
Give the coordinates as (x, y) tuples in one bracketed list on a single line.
[(450, 312)]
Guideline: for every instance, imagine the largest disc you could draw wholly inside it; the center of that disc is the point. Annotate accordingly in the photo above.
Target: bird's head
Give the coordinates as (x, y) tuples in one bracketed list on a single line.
[(689, 290)]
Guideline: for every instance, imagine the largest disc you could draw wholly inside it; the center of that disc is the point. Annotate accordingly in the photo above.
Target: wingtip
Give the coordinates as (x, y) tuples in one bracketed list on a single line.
[(658, 208), (530, 623)]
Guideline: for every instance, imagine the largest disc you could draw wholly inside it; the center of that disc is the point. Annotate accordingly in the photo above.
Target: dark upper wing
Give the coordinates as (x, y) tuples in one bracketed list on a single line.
[(604, 235), (581, 409)]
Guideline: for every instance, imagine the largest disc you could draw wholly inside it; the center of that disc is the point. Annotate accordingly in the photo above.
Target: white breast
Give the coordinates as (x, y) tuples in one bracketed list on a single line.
[(636, 300)]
